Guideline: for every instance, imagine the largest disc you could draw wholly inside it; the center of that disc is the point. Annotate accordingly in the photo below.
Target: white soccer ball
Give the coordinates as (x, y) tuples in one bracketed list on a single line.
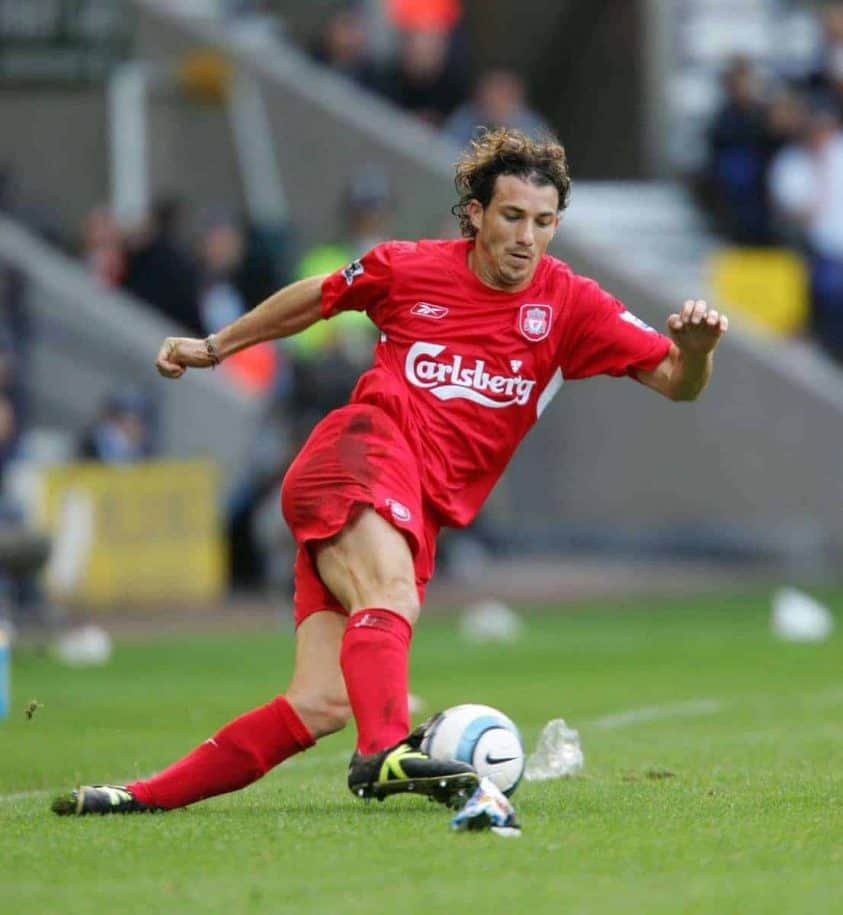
[(479, 735)]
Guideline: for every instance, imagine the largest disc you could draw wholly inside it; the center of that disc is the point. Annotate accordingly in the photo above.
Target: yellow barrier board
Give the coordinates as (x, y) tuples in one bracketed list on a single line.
[(137, 534), (769, 285)]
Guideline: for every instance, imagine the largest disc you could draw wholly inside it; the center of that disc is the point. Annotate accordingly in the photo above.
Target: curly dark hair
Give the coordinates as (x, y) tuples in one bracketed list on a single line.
[(507, 152)]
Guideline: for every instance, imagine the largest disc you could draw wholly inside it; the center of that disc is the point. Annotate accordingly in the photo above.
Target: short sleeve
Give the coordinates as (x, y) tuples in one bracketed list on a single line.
[(605, 338), (361, 286)]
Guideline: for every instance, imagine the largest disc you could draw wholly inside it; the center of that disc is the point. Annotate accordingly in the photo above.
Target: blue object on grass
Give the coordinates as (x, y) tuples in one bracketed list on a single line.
[(487, 808)]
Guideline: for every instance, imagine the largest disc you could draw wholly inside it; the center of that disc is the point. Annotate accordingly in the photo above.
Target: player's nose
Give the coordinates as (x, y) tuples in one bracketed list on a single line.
[(525, 237)]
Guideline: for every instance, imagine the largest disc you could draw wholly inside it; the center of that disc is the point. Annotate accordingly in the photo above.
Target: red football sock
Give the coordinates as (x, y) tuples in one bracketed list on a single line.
[(237, 755), (374, 660)]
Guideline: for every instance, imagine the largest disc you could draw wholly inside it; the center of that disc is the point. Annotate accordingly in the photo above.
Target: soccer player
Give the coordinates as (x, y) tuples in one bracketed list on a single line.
[(476, 337)]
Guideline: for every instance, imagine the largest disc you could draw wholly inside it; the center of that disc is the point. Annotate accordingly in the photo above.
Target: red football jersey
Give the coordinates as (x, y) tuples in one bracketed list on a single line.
[(465, 370)]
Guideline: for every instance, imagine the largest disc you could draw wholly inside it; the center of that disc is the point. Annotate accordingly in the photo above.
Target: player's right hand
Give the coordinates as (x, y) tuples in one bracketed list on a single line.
[(180, 353)]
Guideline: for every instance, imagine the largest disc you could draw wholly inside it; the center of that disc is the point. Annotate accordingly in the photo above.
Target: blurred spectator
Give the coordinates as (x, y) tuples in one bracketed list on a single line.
[(102, 248), (740, 146), (19, 590), (827, 79), (423, 70), (329, 355), (263, 266), (786, 118), (806, 184), (160, 271), (429, 15), (10, 424), (427, 79), (343, 46), (221, 252), (225, 276), (15, 339), (121, 431), (499, 100), (364, 219)]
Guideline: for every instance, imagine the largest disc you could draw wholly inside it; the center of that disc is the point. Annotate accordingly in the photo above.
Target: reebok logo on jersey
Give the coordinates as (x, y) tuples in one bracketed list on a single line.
[(426, 310), (459, 379)]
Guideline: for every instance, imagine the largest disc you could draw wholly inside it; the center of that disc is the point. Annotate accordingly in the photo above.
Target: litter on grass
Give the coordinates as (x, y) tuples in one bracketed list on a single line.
[(31, 708), (86, 646), (798, 617), (488, 808), (557, 755), (490, 621)]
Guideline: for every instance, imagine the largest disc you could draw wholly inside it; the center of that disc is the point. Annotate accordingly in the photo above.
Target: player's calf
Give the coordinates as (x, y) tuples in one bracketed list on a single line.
[(322, 713)]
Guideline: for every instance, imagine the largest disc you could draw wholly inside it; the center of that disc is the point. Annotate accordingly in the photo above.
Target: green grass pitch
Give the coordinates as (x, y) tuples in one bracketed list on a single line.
[(749, 821)]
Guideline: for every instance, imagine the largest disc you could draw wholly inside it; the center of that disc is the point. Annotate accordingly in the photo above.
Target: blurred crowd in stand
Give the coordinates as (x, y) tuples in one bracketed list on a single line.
[(425, 74), (19, 560), (423, 67), (15, 337), (774, 173)]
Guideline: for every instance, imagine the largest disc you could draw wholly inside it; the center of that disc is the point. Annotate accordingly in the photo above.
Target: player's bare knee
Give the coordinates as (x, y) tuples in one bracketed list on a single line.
[(394, 593)]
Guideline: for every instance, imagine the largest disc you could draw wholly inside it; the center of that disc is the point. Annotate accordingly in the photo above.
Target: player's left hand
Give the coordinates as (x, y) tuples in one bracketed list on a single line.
[(697, 328)]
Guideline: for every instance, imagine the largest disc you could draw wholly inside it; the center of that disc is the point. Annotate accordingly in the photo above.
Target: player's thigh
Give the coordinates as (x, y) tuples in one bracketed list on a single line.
[(369, 564), (317, 689)]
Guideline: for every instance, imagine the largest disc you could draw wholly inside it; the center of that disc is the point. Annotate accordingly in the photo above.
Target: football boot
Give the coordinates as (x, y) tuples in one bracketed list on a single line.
[(405, 768), (99, 799)]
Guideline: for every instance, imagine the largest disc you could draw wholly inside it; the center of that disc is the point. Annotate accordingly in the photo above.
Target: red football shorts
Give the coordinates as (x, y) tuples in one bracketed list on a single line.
[(355, 458)]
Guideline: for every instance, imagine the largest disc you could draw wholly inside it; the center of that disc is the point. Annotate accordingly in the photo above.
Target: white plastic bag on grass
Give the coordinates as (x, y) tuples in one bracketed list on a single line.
[(558, 753)]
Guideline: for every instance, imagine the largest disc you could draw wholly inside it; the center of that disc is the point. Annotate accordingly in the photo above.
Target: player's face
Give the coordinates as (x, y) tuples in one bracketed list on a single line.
[(513, 231)]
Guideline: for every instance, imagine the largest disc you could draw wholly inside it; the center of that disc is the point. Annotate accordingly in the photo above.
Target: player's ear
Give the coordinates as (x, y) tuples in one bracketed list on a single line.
[(475, 213)]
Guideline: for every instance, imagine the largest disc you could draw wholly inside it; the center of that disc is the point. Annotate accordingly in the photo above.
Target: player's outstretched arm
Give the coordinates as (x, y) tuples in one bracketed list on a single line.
[(684, 372), (288, 311)]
